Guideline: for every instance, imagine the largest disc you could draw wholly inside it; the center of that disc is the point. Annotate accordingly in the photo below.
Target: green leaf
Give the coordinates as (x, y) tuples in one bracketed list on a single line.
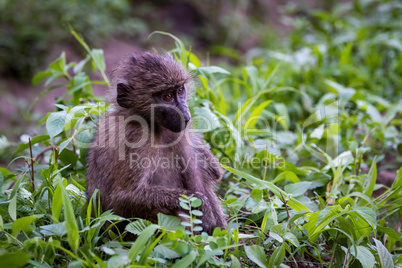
[(277, 257), (255, 115), (118, 261), (59, 63), (169, 222), (179, 44), (292, 239), (197, 212), (383, 253), (55, 123), (139, 244), (166, 252), (235, 262), (212, 70), (297, 189), (138, 226), (368, 215), (57, 203), (256, 254), (12, 208), (21, 223), (277, 229), (293, 203), (365, 257), (373, 178), (71, 223), (40, 76), (58, 229), (398, 180), (186, 261), (15, 259), (98, 59), (286, 175), (184, 206), (206, 120), (34, 140), (196, 203), (389, 232)]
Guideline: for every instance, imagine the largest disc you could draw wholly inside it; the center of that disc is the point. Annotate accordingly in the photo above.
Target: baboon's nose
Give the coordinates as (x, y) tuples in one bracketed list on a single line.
[(187, 118)]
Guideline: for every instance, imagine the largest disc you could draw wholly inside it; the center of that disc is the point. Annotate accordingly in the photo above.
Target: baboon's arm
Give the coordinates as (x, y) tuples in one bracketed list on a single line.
[(212, 166), (149, 197)]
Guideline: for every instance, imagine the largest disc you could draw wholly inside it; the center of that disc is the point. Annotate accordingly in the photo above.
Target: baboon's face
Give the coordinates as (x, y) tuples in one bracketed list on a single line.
[(171, 110)]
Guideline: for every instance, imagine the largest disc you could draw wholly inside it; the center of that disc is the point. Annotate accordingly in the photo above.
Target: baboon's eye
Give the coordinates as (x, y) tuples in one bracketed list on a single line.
[(180, 91), (168, 96)]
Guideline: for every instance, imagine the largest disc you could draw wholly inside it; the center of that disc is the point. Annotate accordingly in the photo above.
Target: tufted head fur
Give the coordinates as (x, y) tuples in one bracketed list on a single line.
[(143, 75)]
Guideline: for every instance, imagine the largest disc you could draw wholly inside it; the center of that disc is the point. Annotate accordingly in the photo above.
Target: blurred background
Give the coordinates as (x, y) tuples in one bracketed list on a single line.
[(224, 32)]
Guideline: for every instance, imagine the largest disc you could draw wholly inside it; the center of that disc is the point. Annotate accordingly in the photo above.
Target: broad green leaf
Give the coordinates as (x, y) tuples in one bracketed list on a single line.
[(276, 229), (169, 222), (292, 239), (365, 257), (98, 59), (276, 237), (257, 255), (59, 63), (15, 259), (291, 202), (210, 254), (383, 253), (368, 215), (186, 261), (297, 189), (235, 262), (40, 76), (12, 208), (55, 123), (212, 70), (206, 119), (166, 252), (196, 203), (373, 177), (57, 203), (70, 221), (277, 257), (58, 229), (345, 94), (193, 59), (120, 260), (21, 223), (398, 180), (139, 244), (390, 232), (136, 227), (242, 109), (286, 175), (255, 115)]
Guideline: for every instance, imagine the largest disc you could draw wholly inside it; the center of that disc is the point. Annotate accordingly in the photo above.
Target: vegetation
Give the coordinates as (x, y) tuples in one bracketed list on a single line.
[(303, 132)]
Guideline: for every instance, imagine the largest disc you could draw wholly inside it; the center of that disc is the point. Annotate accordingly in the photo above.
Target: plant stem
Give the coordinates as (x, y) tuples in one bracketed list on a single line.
[(32, 165)]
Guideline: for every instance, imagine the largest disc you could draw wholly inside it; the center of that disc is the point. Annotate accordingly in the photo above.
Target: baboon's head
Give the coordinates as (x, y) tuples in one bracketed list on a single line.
[(154, 87)]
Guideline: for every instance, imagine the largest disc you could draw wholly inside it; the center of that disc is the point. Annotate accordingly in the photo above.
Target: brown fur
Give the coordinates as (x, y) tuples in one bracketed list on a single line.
[(135, 191)]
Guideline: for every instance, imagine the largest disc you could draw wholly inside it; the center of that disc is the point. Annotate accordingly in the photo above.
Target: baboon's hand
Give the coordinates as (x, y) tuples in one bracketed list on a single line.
[(208, 218)]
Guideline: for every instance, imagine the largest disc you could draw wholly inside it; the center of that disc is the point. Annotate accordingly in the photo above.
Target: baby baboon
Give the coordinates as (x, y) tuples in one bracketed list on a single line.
[(144, 156)]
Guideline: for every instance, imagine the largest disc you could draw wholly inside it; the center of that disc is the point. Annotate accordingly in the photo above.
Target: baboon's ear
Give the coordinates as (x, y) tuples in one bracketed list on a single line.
[(123, 93)]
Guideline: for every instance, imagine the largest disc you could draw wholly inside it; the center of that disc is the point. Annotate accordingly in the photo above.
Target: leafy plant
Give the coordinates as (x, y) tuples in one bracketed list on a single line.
[(304, 139)]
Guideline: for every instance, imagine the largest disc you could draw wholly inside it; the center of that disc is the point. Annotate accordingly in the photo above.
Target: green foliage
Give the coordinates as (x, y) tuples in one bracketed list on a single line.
[(29, 28), (304, 146)]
